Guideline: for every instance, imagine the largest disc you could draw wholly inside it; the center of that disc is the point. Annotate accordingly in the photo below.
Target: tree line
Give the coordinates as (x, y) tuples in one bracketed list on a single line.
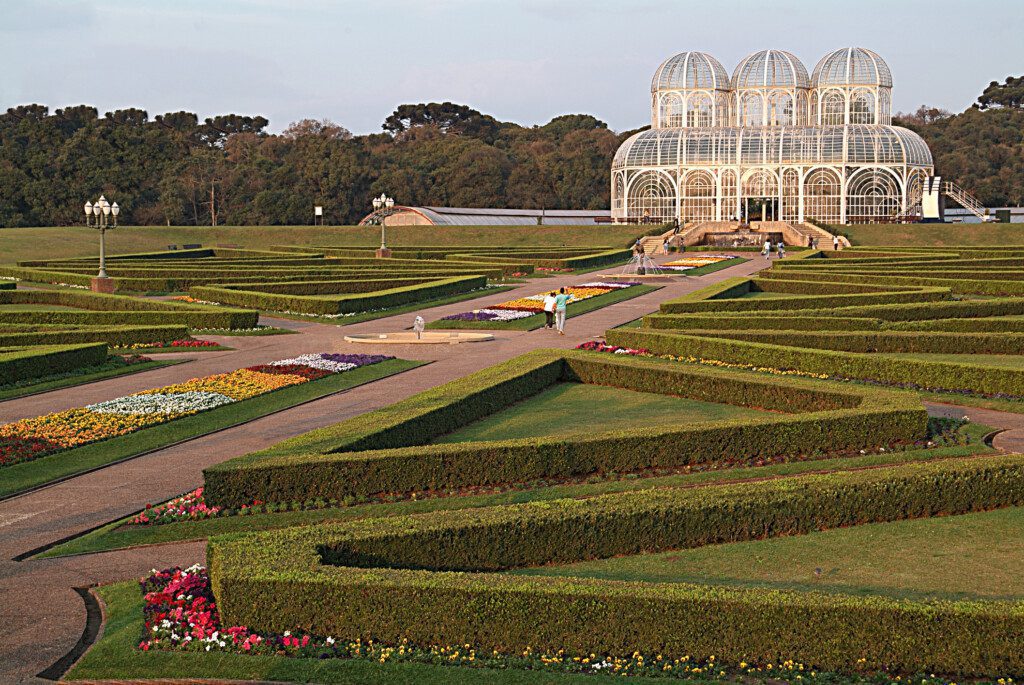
[(229, 170)]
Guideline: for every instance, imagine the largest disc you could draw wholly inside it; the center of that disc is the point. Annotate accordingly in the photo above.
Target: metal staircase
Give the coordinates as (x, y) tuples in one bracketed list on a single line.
[(965, 199)]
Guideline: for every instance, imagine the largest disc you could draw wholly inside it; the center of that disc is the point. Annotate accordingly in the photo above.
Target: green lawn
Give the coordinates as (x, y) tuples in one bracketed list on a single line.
[(762, 295), (49, 242), (972, 556), (933, 235), (39, 308), (116, 656), (536, 321), (578, 409), (166, 350), (117, 536), (31, 474), (395, 311)]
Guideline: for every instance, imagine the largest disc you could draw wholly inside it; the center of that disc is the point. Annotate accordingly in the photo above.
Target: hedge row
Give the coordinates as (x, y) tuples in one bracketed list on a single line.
[(388, 579), (756, 320), (8, 285), (931, 375), (111, 335), (340, 304), (993, 324), (118, 310), (385, 451), (971, 286), (930, 342), (18, 364)]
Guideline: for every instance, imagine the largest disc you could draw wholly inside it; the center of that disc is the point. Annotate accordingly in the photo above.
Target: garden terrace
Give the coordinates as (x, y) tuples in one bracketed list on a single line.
[(930, 320), (390, 579), (389, 452)]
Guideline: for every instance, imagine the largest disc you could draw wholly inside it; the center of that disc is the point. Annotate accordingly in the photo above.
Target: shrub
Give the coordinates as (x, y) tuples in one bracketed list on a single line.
[(384, 451), (392, 577), (18, 364)]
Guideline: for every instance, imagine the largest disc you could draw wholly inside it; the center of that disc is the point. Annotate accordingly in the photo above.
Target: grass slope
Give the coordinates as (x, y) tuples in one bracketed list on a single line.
[(50, 242), (933, 235), (116, 656), (972, 556), (117, 536), (20, 477), (575, 408), (531, 323)]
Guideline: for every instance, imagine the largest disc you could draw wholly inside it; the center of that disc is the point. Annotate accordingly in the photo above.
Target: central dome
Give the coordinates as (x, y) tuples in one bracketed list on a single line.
[(690, 71), (770, 69)]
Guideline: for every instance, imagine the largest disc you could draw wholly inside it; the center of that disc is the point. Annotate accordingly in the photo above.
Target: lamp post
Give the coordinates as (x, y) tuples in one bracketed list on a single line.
[(102, 211), (382, 206)]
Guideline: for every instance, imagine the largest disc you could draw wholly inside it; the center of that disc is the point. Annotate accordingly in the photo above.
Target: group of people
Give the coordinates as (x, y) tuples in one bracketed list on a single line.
[(554, 310), (766, 249)]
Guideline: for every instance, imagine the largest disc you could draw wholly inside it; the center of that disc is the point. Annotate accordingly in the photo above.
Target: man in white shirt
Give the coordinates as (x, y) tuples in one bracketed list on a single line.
[(549, 310)]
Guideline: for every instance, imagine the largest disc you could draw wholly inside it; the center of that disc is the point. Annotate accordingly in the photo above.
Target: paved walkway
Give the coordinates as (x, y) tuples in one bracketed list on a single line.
[(42, 617)]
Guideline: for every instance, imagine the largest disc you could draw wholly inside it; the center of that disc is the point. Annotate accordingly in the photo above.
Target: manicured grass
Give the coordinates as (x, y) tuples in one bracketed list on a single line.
[(51, 242), (1009, 361), (39, 308), (531, 323), (395, 311), (972, 556), (933, 235), (116, 536), (167, 350), (30, 474), (759, 295), (88, 374), (578, 409), (116, 656)]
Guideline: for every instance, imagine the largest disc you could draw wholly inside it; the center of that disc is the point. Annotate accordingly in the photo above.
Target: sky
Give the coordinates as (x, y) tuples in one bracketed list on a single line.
[(526, 61)]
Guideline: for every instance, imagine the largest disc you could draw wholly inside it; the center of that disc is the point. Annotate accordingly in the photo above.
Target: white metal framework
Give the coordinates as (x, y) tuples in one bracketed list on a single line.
[(797, 146)]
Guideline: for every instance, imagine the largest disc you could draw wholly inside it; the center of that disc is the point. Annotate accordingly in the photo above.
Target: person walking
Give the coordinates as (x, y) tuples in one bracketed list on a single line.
[(665, 245), (549, 310), (561, 300), (782, 249), (835, 242), (766, 251)]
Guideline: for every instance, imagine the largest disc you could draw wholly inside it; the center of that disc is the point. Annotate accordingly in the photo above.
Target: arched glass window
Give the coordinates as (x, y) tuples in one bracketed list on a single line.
[(761, 183), (619, 193), (671, 110), (652, 198), (873, 196), (781, 111), (790, 195), (862, 107), (833, 109), (729, 197), (822, 194), (751, 109), (698, 110), (698, 202), (884, 107)]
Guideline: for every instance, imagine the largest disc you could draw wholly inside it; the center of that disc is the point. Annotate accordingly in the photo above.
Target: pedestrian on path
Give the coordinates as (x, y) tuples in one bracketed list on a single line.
[(561, 300), (835, 242), (766, 251), (782, 249), (549, 310)]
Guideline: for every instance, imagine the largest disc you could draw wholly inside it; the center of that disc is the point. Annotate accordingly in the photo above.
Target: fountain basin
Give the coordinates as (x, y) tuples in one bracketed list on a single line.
[(425, 338)]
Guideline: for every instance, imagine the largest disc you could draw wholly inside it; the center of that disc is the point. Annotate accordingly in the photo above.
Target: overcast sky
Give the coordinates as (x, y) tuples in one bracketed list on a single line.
[(518, 60)]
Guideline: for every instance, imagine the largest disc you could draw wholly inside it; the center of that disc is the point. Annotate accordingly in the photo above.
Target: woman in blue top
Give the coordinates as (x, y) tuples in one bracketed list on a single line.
[(561, 299)]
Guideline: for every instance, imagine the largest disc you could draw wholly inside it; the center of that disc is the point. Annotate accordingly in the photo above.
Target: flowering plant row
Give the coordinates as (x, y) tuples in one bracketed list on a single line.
[(180, 614), (534, 304), (694, 262), (29, 439), (173, 343)]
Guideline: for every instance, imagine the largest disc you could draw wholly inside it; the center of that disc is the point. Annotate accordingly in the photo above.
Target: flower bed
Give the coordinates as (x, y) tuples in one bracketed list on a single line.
[(173, 343), (37, 437), (180, 614), (534, 304), (694, 262)]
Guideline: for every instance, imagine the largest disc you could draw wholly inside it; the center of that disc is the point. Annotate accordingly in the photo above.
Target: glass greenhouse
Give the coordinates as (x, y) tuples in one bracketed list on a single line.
[(772, 141)]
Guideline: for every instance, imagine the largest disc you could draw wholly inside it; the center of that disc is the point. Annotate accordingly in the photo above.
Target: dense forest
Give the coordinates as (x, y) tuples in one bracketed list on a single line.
[(228, 170)]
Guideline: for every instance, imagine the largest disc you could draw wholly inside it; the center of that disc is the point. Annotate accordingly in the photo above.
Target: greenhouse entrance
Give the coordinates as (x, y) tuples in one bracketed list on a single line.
[(760, 209)]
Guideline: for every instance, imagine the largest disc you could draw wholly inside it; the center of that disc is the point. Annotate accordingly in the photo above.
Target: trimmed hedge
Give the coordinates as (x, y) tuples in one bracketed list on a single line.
[(756, 320), (112, 335), (8, 285), (18, 364), (930, 342), (385, 451), (929, 375), (960, 285), (387, 296), (390, 579)]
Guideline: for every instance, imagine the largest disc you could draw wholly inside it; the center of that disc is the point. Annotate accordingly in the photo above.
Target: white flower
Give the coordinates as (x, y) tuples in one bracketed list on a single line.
[(316, 361), (156, 403)]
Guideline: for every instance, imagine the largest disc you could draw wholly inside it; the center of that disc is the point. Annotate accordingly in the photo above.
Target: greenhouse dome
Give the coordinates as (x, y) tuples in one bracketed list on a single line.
[(794, 146)]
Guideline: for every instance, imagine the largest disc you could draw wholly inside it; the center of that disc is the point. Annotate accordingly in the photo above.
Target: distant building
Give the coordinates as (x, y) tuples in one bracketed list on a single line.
[(464, 216), (771, 142)]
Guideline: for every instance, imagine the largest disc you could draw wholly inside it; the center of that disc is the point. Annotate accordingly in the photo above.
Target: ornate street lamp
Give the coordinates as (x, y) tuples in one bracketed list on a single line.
[(383, 208), (102, 211)]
